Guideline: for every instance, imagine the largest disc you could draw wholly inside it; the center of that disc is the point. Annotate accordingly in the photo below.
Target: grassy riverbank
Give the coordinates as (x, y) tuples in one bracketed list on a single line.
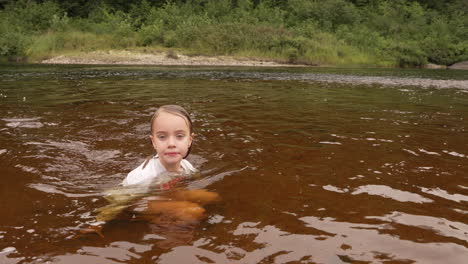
[(333, 32)]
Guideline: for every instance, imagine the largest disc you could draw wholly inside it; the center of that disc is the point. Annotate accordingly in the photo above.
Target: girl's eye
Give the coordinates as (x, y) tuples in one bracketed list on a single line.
[(161, 137), (180, 136)]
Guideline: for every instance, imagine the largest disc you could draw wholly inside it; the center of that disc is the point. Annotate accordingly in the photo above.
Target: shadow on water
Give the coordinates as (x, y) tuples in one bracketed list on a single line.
[(312, 165)]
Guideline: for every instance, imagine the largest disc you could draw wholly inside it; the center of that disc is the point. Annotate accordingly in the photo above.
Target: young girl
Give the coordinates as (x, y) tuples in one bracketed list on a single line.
[(171, 136)]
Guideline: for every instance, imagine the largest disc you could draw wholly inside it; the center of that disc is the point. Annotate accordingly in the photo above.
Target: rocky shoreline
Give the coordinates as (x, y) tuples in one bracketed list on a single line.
[(171, 58), (159, 58), (463, 65)]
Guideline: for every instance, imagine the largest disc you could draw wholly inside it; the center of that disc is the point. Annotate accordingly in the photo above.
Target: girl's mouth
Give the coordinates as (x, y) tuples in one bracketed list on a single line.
[(171, 153)]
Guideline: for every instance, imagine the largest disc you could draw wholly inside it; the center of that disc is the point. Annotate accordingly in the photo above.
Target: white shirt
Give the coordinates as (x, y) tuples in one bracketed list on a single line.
[(152, 170)]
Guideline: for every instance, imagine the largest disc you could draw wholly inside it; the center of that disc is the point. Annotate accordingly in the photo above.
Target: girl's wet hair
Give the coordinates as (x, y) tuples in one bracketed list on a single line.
[(175, 110)]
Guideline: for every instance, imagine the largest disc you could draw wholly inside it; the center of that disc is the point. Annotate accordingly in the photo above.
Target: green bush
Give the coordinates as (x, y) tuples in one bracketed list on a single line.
[(170, 39), (150, 34), (329, 14), (292, 54), (445, 53), (13, 43), (222, 38), (441, 43), (59, 23), (21, 21), (409, 54), (31, 16), (188, 31)]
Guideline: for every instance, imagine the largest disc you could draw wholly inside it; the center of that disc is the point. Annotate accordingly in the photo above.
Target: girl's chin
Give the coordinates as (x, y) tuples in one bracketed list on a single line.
[(169, 161)]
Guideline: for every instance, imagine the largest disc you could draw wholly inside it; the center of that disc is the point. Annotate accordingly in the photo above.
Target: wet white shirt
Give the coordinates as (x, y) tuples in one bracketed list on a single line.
[(152, 170)]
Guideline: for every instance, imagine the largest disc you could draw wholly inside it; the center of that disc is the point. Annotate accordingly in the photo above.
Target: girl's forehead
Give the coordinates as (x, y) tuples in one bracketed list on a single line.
[(165, 119)]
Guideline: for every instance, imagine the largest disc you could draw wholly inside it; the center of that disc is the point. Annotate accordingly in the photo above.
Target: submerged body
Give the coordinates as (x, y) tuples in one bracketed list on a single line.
[(157, 197), (149, 179), (165, 195)]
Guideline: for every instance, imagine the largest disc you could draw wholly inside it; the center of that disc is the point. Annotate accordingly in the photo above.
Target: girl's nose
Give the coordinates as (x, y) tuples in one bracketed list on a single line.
[(171, 141)]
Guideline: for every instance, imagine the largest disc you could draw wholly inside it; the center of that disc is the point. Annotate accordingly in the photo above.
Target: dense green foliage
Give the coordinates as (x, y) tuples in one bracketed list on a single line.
[(370, 32)]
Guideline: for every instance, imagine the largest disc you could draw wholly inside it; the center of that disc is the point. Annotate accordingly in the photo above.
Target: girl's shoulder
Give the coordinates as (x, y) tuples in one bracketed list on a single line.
[(187, 166), (146, 172)]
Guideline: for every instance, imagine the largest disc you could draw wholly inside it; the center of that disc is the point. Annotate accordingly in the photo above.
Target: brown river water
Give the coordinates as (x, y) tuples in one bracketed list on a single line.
[(313, 165)]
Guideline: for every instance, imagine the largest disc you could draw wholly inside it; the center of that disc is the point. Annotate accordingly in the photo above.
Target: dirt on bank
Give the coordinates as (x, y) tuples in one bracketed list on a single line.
[(159, 58)]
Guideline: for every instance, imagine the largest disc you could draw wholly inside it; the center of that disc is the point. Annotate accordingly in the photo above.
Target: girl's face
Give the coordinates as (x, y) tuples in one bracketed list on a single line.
[(171, 139)]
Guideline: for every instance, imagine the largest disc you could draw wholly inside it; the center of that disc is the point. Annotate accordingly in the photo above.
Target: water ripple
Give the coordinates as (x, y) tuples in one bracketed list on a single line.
[(387, 192), (444, 194)]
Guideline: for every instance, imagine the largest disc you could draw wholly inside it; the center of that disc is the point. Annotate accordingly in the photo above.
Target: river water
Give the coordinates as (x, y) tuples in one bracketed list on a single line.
[(313, 165)]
